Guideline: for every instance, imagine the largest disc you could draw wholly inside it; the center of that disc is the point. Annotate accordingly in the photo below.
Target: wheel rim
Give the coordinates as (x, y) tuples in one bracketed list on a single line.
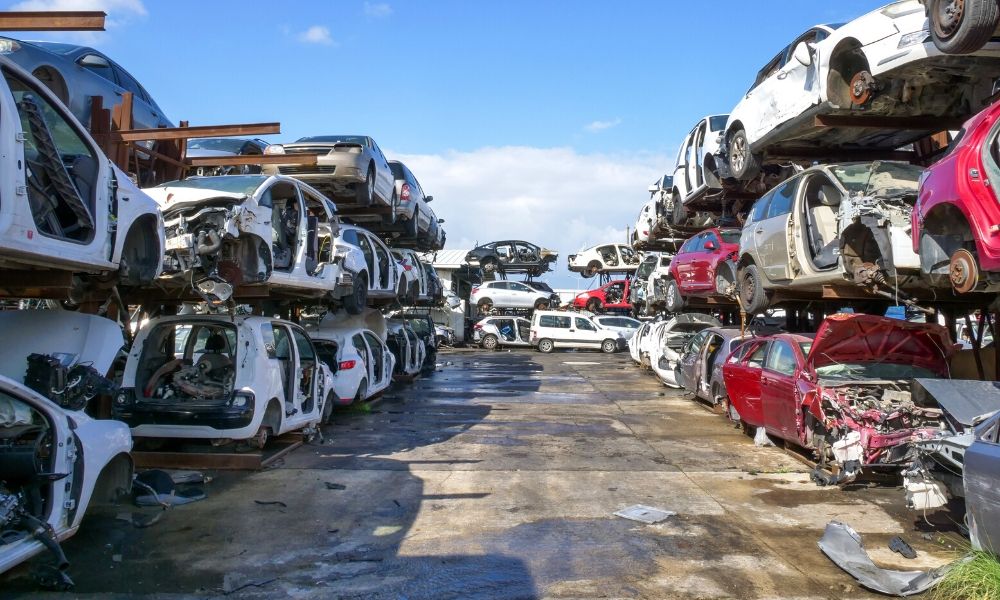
[(490, 342), (963, 272), (747, 289), (948, 17), (738, 153), (609, 346), (671, 295), (861, 87)]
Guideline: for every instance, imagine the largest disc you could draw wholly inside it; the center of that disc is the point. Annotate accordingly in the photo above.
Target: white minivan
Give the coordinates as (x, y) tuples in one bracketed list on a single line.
[(556, 329)]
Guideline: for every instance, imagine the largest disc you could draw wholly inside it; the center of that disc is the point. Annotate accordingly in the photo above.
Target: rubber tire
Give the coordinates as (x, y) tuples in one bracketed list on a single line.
[(758, 302), (327, 417), (594, 305), (979, 20), (362, 393), (413, 225), (751, 166), (677, 304), (592, 269), (609, 346), (679, 213), (490, 342), (483, 304), (356, 302), (545, 346), (541, 304), (366, 194), (488, 265)]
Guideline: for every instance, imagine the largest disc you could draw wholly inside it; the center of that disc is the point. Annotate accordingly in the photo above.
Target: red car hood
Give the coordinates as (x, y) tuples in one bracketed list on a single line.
[(857, 338)]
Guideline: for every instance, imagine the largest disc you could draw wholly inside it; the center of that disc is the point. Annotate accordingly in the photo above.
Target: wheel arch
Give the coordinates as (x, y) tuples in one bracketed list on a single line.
[(945, 229), (144, 235)]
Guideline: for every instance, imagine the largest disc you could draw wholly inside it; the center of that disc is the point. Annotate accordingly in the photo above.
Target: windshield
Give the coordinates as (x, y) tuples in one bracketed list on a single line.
[(878, 178), (236, 184), (332, 139), (873, 370), (420, 325), (718, 123), (234, 145), (731, 236)]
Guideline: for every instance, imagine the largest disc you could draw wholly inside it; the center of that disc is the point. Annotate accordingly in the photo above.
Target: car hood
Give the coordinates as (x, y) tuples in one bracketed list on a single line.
[(689, 321), (169, 198), (370, 319), (202, 152), (857, 338), (84, 338)]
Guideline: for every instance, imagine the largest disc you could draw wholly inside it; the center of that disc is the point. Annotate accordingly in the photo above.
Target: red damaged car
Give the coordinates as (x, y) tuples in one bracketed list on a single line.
[(703, 267), (956, 220), (613, 295), (844, 392)]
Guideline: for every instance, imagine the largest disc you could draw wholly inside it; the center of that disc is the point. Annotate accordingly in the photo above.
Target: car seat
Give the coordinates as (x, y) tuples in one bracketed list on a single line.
[(213, 363), (821, 217)]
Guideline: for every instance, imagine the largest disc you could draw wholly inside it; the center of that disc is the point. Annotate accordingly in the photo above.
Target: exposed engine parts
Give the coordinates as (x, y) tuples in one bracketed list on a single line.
[(72, 387)]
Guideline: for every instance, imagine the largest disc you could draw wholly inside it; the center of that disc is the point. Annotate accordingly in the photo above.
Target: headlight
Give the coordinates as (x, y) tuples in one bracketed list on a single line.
[(274, 149), (241, 399), (912, 39), (122, 398), (9, 46)]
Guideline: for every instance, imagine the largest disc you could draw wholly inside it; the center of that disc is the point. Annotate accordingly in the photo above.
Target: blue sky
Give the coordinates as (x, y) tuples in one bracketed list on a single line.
[(442, 82)]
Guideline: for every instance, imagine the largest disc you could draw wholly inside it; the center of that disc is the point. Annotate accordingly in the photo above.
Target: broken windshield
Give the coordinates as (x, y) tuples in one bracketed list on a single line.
[(234, 145), (878, 178), (872, 370)]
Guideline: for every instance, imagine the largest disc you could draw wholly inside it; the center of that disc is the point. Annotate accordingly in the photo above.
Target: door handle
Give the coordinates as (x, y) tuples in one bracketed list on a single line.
[(758, 231), (572, 331), (782, 75)]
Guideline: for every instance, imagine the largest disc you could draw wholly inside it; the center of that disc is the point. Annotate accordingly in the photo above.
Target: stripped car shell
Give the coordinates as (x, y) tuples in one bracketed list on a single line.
[(847, 393), (228, 231), (365, 362)]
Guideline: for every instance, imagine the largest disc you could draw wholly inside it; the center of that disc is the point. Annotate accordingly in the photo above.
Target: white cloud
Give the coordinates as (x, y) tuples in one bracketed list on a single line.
[(554, 197), (595, 126), (377, 10), (317, 34)]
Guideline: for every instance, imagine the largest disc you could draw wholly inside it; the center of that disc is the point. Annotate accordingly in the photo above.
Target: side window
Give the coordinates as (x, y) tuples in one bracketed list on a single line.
[(129, 83), (709, 237), (781, 200), (351, 237), (756, 359), (62, 167), (559, 322), (781, 359), (282, 342), (373, 342), (584, 325), (304, 346), (740, 351), (759, 209), (519, 287), (499, 285), (697, 341), (98, 65), (359, 344), (505, 252)]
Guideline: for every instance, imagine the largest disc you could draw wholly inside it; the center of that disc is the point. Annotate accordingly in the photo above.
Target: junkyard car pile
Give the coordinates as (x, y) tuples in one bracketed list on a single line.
[(199, 268)]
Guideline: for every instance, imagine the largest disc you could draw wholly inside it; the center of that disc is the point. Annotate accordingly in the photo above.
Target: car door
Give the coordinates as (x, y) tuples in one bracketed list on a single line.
[(523, 327), (684, 263), (382, 370), (982, 495), (687, 364), (777, 383), (385, 182), (368, 358), (387, 266), (796, 84), (771, 233), (521, 296), (701, 262), (743, 384), (586, 332), (356, 237), (759, 107), (698, 153), (306, 371)]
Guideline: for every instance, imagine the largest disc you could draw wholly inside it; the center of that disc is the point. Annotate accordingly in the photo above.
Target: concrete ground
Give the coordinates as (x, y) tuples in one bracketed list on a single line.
[(497, 477)]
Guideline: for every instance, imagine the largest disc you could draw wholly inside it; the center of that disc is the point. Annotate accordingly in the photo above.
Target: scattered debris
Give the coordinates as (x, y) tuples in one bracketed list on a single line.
[(158, 488), (271, 503), (898, 544), (334, 486), (844, 547), (645, 514), (760, 438)]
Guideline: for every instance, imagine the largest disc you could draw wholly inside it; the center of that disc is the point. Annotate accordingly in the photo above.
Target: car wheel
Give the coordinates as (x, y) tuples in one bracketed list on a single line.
[(328, 408), (678, 212), (362, 394), (366, 193), (673, 299), (545, 346), (485, 305), (541, 304), (594, 305), (753, 298), (259, 440), (592, 269), (962, 26), (413, 226), (489, 265), (743, 163), (355, 303), (609, 346), (490, 342), (393, 205)]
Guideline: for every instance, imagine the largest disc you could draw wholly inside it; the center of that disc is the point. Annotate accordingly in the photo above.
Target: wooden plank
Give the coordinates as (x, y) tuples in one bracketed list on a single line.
[(267, 159), (60, 20), (250, 461), (271, 459), (929, 123), (201, 131)]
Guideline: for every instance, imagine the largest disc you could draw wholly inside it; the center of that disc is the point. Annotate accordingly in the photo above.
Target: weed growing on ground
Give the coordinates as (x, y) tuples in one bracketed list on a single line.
[(975, 579)]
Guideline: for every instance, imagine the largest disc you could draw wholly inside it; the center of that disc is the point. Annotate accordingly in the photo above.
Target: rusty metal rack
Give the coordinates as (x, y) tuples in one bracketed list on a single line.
[(199, 456)]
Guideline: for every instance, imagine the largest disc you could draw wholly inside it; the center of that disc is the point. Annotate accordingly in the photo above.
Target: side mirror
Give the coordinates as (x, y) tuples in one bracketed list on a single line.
[(803, 54), (440, 220), (428, 198), (710, 245), (654, 188)]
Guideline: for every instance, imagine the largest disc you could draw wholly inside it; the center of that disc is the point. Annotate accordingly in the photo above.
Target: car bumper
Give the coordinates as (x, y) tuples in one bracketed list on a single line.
[(201, 422)]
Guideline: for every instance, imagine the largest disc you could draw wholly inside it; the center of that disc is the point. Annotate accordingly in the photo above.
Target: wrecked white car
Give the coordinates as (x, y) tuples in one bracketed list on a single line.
[(831, 225), (222, 378), (358, 343), (612, 258), (55, 461), (65, 206), (408, 349), (225, 232)]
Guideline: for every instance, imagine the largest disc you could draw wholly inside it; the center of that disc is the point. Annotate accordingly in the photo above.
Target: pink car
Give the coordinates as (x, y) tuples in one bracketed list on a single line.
[(956, 221)]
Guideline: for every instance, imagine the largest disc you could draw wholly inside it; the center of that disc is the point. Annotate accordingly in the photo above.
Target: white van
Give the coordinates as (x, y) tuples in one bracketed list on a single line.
[(556, 329)]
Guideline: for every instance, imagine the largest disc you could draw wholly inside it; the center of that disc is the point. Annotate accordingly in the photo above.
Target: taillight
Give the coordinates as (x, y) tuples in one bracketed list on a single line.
[(477, 326), (348, 364), (475, 290), (404, 195), (407, 267)]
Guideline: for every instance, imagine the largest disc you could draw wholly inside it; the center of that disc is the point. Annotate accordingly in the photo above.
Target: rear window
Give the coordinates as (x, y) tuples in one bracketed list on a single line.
[(731, 237), (554, 321)]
